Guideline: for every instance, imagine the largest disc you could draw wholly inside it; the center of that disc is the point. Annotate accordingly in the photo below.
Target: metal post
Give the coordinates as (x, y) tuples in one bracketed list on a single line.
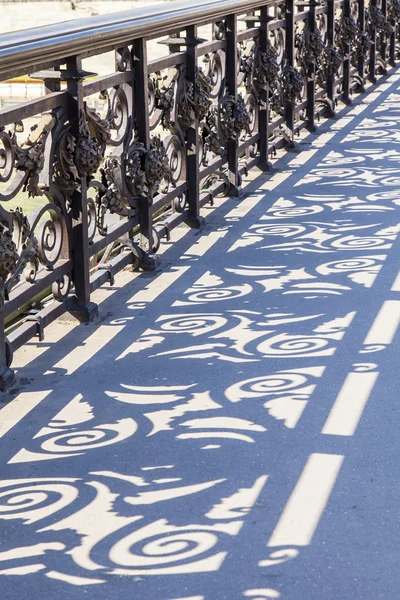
[(361, 23), (383, 48), (289, 49), (372, 52), (231, 84), (310, 111), (141, 95), (263, 95), (80, 305), (346, 60), (192, 137), (330, 83)]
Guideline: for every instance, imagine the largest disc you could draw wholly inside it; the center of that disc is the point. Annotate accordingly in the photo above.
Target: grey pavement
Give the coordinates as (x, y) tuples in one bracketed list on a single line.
[(229, 427)]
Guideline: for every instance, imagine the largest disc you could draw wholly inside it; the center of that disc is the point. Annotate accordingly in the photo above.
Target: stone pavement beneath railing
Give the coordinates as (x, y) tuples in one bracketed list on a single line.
[(229, 427)]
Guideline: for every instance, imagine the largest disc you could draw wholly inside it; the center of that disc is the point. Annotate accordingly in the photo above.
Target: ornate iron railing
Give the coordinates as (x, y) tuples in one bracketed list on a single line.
[(113, 163)]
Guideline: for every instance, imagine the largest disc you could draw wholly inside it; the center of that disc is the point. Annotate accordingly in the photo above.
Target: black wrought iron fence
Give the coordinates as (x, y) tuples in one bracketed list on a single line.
[(111, 164)]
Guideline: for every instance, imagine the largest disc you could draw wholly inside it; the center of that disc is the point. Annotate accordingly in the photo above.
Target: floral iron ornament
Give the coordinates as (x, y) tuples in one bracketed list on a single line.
[(310, 46), (195, 99), (292, 85), (30, 157), (377, 21), (8, 259), (94, 133), (267, 67), (328, 64), (234, 117), (138, 172)]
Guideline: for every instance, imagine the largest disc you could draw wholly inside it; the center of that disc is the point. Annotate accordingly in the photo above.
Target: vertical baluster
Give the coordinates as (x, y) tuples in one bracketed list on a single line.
[(392, 43), (383, 48), (80, 305), (346, 60), (372, 52), (289, 52), (192, 137), (330, 40), (263, 95), (361, 23), (8, 257), (141, 113), (310, 111), (231, 84)]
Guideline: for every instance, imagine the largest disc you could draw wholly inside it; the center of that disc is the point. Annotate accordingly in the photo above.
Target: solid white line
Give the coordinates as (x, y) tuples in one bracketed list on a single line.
[(18, 408), (158, 285), (305, 506), (396, 284), (93, 344), (384, 328), (349, 404)]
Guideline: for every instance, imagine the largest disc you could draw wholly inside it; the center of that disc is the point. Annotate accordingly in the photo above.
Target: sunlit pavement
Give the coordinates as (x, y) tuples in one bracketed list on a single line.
[(229, 427)]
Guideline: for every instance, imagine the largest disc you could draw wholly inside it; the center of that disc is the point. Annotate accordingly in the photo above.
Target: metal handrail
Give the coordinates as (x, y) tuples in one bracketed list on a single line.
[(34, 48)]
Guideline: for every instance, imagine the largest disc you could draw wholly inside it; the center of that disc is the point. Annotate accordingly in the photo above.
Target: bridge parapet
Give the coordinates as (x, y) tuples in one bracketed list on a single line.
[(112, 164)]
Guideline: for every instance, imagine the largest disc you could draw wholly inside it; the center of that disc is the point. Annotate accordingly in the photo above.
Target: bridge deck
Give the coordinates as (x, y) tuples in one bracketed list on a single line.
[(229, 428)]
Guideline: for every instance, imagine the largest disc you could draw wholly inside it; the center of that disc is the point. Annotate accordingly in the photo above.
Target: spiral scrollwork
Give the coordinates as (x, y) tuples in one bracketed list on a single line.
[(266, 385), (175, 152), (35, 499), (38, 240), (6, 156), (116, 126), (215, 72), (161, 545)]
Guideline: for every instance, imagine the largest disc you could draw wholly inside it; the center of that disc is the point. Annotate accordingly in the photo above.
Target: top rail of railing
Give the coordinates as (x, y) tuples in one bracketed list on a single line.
[(34, 48)]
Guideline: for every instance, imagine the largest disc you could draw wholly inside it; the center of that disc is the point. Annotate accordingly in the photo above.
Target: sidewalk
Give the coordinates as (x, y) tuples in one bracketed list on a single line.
[(229, 428)]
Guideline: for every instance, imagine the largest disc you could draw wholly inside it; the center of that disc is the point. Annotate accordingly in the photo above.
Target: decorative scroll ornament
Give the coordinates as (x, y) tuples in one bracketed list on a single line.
[(195, 102), (394, 10), (65, 173), (164, 100), (377, 22), (328, 64), (31, 155), (346, 31), (94, 133), (27, 249), (110, 197), (38, 241), (267, 67), (233, 117), (246, 64), (8, 258), (211, 138), (310, 46), (361, 46), (137, 173), (292, 85)]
